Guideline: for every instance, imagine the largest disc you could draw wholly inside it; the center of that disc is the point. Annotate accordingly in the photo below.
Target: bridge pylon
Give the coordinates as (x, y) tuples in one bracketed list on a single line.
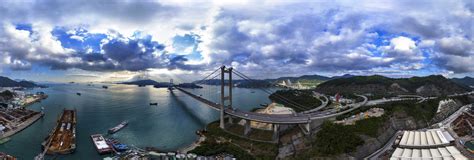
[(225, 98)]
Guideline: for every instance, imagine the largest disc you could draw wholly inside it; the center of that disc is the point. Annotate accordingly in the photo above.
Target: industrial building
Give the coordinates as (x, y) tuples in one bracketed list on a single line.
[(449, 152), (426, 139)]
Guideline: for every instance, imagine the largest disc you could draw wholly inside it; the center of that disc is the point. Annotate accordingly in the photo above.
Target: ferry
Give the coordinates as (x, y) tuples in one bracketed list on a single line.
[(62, 139), (100, 144), (118, 127)]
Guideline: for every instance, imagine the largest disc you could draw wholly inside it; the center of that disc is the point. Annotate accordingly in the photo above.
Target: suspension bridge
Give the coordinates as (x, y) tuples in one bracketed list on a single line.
[(228, 112), (311, 117)]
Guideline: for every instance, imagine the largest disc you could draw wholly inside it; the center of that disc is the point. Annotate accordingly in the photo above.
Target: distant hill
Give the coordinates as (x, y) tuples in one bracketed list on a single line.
[(238, 83), (7, 82), (257, 83), (303, 77), (343, 76), (434, 85), (147, 82), (468, 81), (188, 85)]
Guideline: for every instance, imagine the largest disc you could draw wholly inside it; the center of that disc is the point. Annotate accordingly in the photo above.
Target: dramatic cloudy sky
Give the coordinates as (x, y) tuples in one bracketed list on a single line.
[(118, 40)]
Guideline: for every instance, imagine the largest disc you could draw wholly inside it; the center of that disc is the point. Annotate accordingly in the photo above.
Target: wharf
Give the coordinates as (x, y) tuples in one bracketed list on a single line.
[(22, 125)]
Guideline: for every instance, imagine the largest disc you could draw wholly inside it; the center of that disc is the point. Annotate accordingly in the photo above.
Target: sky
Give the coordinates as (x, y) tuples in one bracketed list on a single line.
[(107, 40)]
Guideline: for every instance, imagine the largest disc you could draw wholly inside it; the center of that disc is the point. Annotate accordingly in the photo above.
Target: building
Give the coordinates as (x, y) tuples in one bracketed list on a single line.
[(426, 139), (440, 153)]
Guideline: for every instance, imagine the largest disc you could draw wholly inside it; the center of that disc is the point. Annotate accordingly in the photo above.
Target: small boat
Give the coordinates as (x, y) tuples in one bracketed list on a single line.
[(264, 104), (100, 144), (118, 127), (105, 87), (153, 104), (120, 147), (78, 93), (252, 91)]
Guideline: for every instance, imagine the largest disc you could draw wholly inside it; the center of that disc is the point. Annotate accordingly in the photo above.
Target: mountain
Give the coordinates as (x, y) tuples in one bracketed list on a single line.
[(188, 85), (7, 82), (468, 81), (303, 77), (238, 83), (343, 76), (434, 85), (146, 82)]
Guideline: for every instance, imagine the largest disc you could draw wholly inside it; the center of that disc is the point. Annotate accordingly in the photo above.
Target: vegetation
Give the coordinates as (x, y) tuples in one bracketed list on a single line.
[(301, 97), (376, 84), (219, 141), (468, 81), (7, 95), (369, 126), (335, 139)]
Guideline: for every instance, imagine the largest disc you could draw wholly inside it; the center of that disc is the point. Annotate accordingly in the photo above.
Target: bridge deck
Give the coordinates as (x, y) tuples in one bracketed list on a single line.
[(266, 118)]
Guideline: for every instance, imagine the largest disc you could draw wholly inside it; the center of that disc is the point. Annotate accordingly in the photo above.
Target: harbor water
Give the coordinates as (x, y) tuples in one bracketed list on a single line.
[(168, 126)]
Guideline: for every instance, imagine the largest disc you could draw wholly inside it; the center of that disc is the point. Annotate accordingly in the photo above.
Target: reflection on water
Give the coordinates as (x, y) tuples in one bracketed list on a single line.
[(168, 126)]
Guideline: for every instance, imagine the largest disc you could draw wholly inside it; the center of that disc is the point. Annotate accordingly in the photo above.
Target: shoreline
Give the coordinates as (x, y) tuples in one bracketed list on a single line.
[(22, 126), (192, 145)]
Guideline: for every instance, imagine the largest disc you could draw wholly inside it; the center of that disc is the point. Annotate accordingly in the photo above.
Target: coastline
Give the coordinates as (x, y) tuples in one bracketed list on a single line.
[(192, 145), (22, 126)]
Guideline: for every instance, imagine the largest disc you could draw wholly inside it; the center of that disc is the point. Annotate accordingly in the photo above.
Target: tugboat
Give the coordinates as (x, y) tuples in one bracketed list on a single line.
[(118, 127)]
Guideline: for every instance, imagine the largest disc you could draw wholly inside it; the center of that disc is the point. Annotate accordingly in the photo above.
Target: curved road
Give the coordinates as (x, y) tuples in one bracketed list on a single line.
[(302, 117)]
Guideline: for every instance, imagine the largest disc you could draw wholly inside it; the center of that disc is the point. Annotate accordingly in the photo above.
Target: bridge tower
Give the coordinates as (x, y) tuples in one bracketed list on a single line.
[(225, 98)]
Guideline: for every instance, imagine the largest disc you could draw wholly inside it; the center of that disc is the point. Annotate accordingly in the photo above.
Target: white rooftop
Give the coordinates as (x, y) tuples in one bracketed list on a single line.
[(449, 152), (425, 139)]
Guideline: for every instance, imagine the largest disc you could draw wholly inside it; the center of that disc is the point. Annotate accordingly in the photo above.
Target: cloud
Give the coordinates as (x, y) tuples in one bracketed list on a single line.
[(281, 37), (117, 53)]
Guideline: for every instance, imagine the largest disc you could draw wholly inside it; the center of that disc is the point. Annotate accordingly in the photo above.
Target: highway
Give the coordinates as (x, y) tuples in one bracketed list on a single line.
[(297, 118), (302, 117)]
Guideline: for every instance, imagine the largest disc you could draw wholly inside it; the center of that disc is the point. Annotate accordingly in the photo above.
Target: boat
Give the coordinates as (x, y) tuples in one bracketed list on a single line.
[(105, 87), (264, 104), (100, 144), (118, 127), (120, 147), (62, 139), (153, 104), (78, 94)]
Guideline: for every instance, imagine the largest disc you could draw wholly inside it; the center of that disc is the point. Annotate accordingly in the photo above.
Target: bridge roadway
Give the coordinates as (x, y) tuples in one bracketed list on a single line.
[(302, 118), (323, 104), (297, 118)]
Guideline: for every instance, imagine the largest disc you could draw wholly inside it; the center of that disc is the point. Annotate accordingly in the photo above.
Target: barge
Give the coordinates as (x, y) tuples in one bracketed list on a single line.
[(118, 127), (101, 144), (62, 139)]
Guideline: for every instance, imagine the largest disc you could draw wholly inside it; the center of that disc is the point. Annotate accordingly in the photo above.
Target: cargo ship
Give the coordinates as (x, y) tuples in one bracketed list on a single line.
[(101, 144), (118, 127), (62, 139)]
